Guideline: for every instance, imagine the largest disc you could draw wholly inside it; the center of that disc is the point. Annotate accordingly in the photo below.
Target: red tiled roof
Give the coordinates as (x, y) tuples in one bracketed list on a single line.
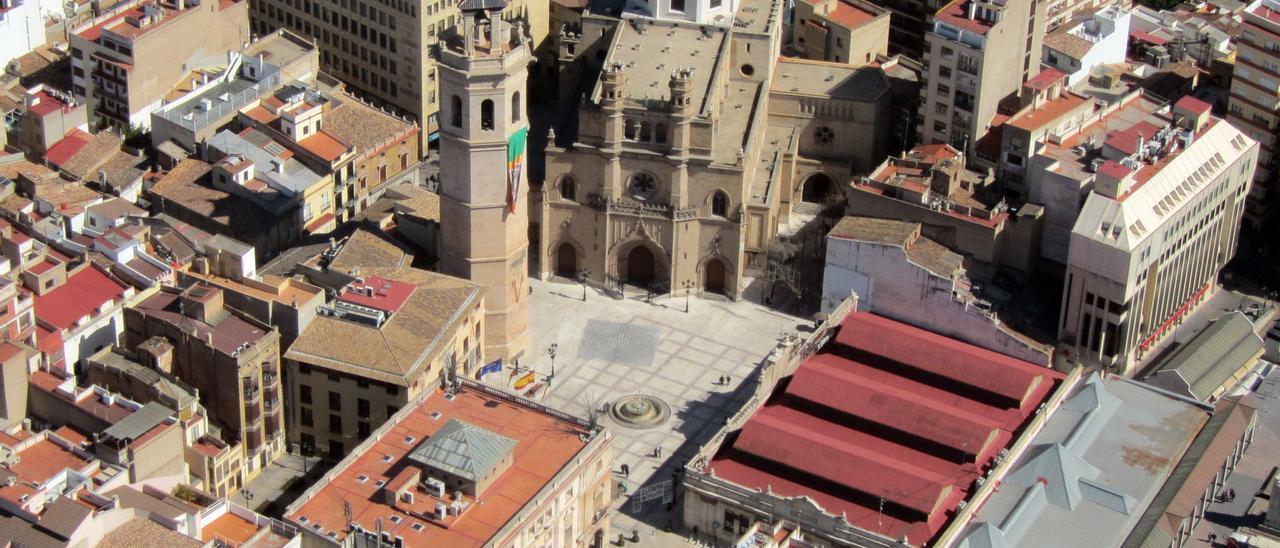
[(1146, 37), (889, 425), (1192, 104), (849, 16), (46, 104), (385, 295), (1045, 79), (1126, 141), (80, 296), (544, 446), (955, 14), (1113, 169), (324, 145), (63, 150)]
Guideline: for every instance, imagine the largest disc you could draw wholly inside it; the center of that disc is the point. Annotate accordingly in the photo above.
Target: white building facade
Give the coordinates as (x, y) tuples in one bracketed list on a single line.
[(1151, 238)]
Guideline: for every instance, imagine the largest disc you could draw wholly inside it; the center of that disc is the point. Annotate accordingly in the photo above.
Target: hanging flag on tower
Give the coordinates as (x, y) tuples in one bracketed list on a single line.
[(515, 165)]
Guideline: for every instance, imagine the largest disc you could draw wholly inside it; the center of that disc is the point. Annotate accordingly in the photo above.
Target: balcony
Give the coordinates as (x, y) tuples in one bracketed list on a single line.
[(251, 393)]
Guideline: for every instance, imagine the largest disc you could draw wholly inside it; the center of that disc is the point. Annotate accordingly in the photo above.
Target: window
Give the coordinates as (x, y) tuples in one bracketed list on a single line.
[(391, 410), (335, 401), (715, 3), (824, 135), (455, 110), (362, 408), (307, 419), (677, 5), (940, 108), (515, 107), (336, 451), (642, 186), (335, 424), (944, 72), (486, 115), (568, 188), (720, 204), (304, 393), (660, 134), (362, 429), (392, 389), (308, 443)]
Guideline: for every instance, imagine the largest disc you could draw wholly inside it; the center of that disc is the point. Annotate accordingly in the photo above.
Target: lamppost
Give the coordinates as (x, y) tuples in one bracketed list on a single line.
[(688, 286), (583, 276), (551, 351)]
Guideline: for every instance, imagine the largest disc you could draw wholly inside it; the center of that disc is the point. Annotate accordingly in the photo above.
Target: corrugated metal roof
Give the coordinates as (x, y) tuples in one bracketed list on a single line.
[(1177, 498), (139, 422), (1214, 355), (463, 449)]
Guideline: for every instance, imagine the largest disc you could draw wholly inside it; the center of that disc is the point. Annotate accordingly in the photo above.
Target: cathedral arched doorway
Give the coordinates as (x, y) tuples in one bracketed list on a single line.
[(817, 188), (640, 266), (713, 276), (566, 261)]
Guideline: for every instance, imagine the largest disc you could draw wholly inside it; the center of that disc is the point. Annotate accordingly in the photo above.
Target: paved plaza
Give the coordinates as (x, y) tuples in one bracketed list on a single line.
[(609, 348)]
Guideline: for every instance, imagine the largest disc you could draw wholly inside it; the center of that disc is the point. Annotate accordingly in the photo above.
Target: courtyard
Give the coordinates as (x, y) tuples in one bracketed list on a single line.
[(609, 349)]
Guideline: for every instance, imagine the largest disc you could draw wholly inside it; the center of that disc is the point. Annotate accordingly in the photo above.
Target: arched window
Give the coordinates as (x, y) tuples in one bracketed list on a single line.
[(515, 107), (486, 115), (629, 130), (568, 188), (720, 204), (660, 135), (644, 132), (455, 110)]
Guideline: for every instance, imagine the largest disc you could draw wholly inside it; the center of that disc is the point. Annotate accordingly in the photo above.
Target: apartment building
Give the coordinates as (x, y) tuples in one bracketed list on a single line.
[(1161, 221), (466, 466), (22, 27), (231, 359), (977, 53), (842, 31), (382, 49), (1255, 103), (125, 61), (388, 336), (1061, 12)]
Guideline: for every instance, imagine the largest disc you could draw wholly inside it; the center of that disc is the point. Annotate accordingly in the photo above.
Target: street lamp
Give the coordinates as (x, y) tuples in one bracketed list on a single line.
[(688, 286), (551, 351), (583, 275)]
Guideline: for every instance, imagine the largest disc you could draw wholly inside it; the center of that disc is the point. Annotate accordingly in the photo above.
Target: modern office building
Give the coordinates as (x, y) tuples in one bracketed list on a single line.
[(383, 51), (977, 53), (1161, 221)]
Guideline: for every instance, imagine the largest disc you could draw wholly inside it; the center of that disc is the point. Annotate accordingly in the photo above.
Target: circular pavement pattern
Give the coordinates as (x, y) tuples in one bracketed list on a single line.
[(628, 346), (639, 411)]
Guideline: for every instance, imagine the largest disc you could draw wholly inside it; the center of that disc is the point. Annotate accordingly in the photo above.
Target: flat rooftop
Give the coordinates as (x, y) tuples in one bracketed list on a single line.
[(544, 445), (837, 80), (1140, 108), (757, 16), (896, 422), (1089, 474), (649, 51), (229, 331)]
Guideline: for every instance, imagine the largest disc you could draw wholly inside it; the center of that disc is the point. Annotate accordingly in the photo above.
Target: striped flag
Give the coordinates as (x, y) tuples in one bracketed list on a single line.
[(515, 165)]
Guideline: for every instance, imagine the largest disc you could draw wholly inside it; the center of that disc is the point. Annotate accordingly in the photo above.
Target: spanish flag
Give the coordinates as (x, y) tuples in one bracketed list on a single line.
[(515, 165), (525, 380)]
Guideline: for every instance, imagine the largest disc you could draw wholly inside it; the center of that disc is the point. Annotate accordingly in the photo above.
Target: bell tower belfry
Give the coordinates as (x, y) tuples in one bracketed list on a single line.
[(483, 206)]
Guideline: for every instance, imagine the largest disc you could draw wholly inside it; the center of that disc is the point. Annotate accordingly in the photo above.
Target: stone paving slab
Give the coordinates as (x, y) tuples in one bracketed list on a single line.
[(609, 348)]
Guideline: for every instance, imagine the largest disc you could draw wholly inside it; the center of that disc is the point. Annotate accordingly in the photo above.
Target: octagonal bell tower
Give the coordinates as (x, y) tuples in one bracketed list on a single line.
[(483, 205)]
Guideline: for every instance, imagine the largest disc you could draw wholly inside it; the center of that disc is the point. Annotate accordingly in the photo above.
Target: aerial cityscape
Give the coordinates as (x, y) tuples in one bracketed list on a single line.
[(652, 273)]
